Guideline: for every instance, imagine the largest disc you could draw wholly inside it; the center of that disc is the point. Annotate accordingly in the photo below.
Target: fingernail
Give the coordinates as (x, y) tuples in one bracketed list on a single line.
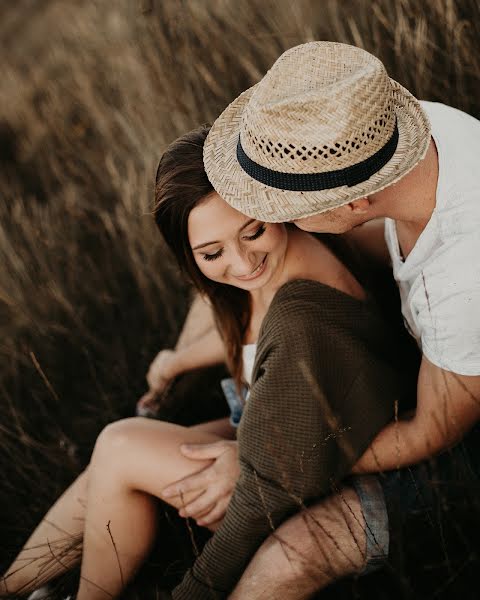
[(167, 493), (185, 447)]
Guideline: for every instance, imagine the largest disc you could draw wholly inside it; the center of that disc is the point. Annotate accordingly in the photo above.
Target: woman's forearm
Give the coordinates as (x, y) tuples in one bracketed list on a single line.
[(198, 322), (205, 351)]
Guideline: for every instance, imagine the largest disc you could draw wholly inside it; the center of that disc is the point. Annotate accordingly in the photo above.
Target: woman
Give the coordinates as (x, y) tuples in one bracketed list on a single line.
[(323, 368)]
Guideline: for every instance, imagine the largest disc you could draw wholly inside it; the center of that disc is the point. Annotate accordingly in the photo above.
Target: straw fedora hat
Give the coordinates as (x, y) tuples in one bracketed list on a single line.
[(325, 126)]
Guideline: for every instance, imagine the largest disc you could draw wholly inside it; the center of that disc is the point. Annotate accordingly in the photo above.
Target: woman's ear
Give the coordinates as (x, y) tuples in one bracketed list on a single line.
[(360, 206)]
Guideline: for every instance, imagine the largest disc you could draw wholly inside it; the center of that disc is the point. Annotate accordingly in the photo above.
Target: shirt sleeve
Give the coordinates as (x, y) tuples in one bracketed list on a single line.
[(302, 430)]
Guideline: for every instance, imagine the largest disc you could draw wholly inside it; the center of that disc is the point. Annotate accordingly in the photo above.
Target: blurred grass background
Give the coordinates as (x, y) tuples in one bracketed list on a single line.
[(91, 94)]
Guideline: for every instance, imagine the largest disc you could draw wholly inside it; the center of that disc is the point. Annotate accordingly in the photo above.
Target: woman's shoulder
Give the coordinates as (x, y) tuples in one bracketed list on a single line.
[(306, 303), (316, 313), (311, 294), (315, 260)]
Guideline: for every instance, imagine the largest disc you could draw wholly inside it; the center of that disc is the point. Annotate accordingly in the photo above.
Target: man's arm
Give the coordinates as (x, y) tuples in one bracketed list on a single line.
[(448, 406)]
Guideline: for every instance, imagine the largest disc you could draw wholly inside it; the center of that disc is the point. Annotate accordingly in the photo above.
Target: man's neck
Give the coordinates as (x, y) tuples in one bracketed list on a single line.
[(411, 201)]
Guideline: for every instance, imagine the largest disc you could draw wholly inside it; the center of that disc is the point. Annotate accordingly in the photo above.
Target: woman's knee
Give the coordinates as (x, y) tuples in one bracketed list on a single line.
[(121, 435), (127, 441), (116, 441), (114, 436)]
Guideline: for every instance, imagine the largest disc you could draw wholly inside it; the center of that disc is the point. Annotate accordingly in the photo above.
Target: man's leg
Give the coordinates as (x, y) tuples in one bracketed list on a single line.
[(321, 544)]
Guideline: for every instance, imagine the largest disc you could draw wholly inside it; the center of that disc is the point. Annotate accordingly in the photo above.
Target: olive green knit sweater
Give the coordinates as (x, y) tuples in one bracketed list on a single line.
[(324, 383)]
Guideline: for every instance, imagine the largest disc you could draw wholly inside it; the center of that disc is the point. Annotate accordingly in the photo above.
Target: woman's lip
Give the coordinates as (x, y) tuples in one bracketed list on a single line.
[(256, 273)]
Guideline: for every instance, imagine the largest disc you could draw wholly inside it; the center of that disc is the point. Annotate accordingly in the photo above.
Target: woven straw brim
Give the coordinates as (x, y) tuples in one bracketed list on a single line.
[(269, 204)]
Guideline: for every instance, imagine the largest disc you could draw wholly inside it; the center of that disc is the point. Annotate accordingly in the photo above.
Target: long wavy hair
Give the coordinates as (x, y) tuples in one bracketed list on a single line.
[(181, 184)]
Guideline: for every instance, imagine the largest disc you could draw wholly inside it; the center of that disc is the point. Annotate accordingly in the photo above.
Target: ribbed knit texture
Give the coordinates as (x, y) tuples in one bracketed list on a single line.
[(324, 384)]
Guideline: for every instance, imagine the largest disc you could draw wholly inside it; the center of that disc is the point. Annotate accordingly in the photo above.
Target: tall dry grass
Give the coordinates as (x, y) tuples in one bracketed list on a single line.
[(91, 94)]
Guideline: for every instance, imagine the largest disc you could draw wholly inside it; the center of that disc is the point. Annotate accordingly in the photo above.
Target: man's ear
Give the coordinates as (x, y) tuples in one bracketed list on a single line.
[(360, 206)]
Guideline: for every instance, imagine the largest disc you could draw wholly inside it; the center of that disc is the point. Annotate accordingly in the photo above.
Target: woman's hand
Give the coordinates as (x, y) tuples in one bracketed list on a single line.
[(217, 481), (162, 370), (148, 404)]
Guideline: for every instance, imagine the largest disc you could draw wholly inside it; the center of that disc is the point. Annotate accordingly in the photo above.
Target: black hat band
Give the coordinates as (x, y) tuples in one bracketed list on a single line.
[(311, 182)]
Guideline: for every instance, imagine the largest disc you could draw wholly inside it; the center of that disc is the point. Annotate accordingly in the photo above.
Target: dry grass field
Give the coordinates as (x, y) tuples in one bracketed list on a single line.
[(91, 94)]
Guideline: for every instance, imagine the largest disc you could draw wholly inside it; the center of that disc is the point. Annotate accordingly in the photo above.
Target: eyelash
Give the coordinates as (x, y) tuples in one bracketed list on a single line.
[(260, 231), (213, 256)]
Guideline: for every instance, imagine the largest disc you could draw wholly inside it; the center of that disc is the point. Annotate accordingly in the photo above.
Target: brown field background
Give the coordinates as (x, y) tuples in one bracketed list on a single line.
[(91, 93)]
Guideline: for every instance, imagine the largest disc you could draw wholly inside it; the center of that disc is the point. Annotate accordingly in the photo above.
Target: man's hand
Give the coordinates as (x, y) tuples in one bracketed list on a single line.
[(217, 481)]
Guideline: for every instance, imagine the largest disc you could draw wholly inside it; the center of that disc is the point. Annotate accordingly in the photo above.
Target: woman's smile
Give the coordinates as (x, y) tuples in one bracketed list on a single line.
[(255, 273)]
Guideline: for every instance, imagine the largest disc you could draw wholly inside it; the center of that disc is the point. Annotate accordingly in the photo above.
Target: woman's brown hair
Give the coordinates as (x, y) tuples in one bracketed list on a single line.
[(182, 184)]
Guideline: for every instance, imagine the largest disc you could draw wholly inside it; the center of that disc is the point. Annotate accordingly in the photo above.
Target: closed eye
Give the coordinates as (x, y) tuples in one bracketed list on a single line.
[(260, 231), (217, 254)]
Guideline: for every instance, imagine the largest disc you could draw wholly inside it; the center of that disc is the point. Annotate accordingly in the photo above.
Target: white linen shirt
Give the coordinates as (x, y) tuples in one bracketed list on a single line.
[(439, 281)]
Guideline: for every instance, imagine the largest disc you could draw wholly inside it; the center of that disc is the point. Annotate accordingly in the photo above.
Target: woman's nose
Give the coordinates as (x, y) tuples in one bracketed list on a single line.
[(243, 262)]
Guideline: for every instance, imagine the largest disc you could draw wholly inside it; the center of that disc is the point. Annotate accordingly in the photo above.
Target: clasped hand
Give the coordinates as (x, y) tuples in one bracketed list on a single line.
[(160, 373), (214, 483)]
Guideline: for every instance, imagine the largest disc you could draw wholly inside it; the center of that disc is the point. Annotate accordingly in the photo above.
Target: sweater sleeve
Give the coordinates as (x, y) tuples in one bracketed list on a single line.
[(296, 437)]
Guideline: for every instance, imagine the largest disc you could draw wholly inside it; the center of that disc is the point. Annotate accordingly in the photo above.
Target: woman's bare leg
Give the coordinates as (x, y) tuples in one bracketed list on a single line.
[(45, 554), (51, 549), (219, 427), (133, 461)]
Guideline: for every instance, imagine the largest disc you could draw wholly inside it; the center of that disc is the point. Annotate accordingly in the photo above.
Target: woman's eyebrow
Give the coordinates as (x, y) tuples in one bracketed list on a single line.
[(205, 244), (246, 224)]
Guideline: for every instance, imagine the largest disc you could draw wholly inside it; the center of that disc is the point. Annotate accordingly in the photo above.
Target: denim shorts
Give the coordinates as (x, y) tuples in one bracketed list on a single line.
[(375, 515), (234, 400), (390, 499)]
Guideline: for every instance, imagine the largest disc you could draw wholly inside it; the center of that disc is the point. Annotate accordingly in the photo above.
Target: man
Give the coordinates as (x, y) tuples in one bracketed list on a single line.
[(328, 141), (372, 137)]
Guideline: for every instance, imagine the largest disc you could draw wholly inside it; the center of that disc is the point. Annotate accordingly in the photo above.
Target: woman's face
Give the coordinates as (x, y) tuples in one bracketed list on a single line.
[(232, 248)]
